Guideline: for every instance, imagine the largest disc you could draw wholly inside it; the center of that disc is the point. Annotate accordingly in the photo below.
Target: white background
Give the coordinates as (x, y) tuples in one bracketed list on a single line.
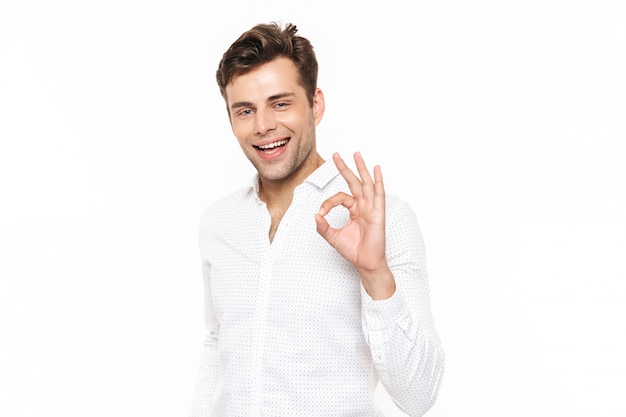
[(503, 123)]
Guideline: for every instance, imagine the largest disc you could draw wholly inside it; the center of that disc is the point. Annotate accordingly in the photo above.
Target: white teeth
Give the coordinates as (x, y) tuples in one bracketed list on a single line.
[(273, 144)]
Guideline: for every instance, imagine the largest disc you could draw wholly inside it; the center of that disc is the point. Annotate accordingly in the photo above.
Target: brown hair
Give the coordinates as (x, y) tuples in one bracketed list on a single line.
[(264, 43)]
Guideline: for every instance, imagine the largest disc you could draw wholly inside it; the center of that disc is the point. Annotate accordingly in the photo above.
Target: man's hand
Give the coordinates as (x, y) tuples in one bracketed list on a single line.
[(362, 239)]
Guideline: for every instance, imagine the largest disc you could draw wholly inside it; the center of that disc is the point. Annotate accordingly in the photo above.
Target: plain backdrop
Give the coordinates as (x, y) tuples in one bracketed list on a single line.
[(502, 123)]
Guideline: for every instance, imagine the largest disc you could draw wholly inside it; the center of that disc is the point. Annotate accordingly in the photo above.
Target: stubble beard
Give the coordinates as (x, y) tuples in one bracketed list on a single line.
[(305, 151)]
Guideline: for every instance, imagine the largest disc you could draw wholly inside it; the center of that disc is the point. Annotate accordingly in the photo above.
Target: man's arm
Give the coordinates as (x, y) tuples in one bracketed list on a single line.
[(207, 374), (397, 322), (400, 332)]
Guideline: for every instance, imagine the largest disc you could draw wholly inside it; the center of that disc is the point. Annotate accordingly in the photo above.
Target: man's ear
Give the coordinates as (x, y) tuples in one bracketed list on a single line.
[(318, 106)]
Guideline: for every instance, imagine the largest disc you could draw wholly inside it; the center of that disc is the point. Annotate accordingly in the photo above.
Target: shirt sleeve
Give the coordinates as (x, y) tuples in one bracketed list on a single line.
[(400, 332), (208, 372)]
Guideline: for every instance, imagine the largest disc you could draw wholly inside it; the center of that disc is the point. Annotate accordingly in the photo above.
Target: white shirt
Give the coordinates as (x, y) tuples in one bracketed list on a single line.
[(290, 329)]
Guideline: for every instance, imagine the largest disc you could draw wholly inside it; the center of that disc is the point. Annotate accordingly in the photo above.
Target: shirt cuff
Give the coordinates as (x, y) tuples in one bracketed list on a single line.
[(382, 314)]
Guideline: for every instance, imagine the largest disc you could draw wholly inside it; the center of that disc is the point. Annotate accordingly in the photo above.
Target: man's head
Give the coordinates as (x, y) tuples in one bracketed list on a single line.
[(264, 43), (268, 80)]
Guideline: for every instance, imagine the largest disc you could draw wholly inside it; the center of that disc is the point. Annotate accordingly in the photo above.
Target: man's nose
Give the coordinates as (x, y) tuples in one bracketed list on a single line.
[(264, 121)]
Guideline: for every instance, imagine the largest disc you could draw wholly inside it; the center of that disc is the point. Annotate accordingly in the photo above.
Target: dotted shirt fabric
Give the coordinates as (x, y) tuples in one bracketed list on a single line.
[(290, 329)]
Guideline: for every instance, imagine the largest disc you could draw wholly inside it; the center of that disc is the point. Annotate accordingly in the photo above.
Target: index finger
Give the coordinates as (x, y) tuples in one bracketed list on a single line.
[(354, 183)]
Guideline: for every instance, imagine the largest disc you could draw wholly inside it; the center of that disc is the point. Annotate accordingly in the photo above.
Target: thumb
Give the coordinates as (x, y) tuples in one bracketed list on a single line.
[(324, 229)]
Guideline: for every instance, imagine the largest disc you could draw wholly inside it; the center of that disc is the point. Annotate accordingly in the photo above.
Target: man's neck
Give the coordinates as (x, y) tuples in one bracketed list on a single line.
[(277, 194)]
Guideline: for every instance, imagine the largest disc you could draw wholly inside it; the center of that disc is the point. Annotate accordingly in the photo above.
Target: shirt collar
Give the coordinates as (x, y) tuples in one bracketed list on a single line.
[(323, 175)]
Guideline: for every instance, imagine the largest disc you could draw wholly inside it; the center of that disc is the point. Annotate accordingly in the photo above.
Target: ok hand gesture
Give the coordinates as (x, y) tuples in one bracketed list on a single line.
[(362, 239)]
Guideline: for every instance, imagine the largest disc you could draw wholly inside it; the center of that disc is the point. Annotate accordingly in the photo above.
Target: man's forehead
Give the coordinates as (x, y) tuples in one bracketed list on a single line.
[(263, 94), (280, 70)]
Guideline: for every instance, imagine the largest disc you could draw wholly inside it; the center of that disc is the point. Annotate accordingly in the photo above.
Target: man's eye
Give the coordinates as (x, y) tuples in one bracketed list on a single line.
[(245, 112), (281, 105)]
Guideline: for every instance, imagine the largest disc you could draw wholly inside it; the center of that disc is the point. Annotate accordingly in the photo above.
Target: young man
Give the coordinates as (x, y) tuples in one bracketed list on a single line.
[(315, 280)]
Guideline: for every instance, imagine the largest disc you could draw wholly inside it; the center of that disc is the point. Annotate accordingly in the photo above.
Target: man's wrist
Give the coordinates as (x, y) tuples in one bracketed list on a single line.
[(379, 284)]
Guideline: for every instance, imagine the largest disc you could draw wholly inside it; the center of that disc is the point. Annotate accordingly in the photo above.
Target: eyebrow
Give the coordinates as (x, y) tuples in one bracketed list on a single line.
[(274, 97)]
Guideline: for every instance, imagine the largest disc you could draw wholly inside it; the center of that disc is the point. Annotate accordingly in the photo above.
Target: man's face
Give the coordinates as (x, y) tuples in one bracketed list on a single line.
[(274, 122)]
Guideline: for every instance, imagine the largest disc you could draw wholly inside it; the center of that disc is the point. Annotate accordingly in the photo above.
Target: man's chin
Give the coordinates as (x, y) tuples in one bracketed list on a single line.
[(272, 172)]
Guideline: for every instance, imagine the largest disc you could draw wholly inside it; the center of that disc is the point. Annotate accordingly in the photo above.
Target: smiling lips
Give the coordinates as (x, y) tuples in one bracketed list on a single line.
[(273, 147)]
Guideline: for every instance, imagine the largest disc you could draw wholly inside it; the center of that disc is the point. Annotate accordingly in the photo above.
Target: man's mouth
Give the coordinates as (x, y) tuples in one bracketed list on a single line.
[(270, 147)]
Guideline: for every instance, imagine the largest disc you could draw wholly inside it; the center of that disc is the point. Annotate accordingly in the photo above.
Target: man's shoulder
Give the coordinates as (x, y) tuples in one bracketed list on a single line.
[(399, 210), (394, 200), (234, 197), (227, 205)]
